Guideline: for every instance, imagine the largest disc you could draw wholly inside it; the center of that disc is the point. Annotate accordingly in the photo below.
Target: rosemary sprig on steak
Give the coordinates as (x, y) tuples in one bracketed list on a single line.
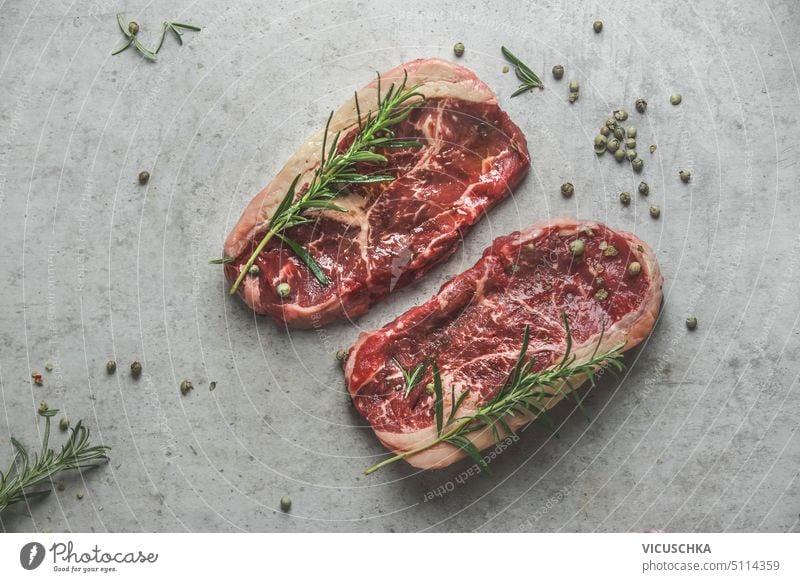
[(338, 169), (528, 79), (26, 473), (524, 393)]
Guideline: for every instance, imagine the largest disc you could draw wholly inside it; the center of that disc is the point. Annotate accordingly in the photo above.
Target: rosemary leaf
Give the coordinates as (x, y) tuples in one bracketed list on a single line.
[(529, 80)]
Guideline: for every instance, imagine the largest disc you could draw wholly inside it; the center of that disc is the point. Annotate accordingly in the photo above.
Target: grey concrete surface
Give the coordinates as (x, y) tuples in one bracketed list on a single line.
[(700, 434)]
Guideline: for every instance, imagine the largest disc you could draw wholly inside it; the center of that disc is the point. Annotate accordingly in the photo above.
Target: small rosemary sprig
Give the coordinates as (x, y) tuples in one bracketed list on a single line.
[(411, 378), (173, 27), (523, 393), (338, 169), (529, 80), (130, 33), (25, 472)]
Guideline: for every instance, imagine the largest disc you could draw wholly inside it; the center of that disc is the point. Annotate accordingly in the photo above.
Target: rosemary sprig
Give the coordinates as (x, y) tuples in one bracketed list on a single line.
[(173, 27), (524, 393), (412, 377), (338, 169), (25, 472), (529, 80), (130, 33)]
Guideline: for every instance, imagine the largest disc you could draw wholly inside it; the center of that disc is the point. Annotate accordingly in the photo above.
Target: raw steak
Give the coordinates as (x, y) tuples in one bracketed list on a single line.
[(474, 327), (393, 232)]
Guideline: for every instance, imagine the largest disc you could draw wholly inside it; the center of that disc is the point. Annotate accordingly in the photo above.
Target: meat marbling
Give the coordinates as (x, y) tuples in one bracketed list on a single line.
[(474, 326), (393, 232)]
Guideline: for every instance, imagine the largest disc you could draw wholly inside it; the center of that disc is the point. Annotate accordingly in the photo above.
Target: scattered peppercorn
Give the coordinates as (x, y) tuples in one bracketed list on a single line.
[(43, 407), (212, 386), (574, 86), (676, 99), (620, 115), (653, 149), (619, 155), (111, 366), (136, 370), (186, 387), (641, 105), (601, 295), (691, 322), (637, 164), (458, 49), (558, 71), (605, 131), (610, 251), (625, 198), (505, 68), (612, 145), (634, 269), (37, 378), (254, 270), (48, 366), (341, 355), (619, 133), (144, 177), (655, 211), (79, 494), (286, 503), (631, 132), (573, 96), (630, 143), (577, 247), (598, 26), (430, 388), (283, 290), (644, 188), (631, 155), (685, 175), (63, 424), (133, 27), (567, 190)]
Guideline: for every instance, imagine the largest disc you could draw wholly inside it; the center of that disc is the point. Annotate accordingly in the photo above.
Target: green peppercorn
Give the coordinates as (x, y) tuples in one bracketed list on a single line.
[(625, 198), (600, 139), (144, 177), (574, 86), (430, 388), (286, 503), (601, 295), (283, 290), (619, 155), (620, 115), (630, 143), (341, 355), (691, 322), (676, 99), (133, 27), (573, 96), (111, 366), (505, 69), (611, 122), (577, 247), (637, 164), (631, 132), (619, 133), (600, 149), (186, 387), (63, 424), (558, 71), (605, 131), (685, 175), (458, 49), (653, 149), (655, 211), (641, 105), (634, 269), (567, 190), (43, 407), (631, 155), (80, 494), (136, 370), (48, 367), (612, 145), (254, 270), (644, 188), (598, 26)]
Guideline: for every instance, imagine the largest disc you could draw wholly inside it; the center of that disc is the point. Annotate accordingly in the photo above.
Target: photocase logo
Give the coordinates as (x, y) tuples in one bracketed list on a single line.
[(31, 555)]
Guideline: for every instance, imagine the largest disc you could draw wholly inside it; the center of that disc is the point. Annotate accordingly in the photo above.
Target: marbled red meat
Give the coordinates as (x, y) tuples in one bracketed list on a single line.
[(472, 155), (474, 327)]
